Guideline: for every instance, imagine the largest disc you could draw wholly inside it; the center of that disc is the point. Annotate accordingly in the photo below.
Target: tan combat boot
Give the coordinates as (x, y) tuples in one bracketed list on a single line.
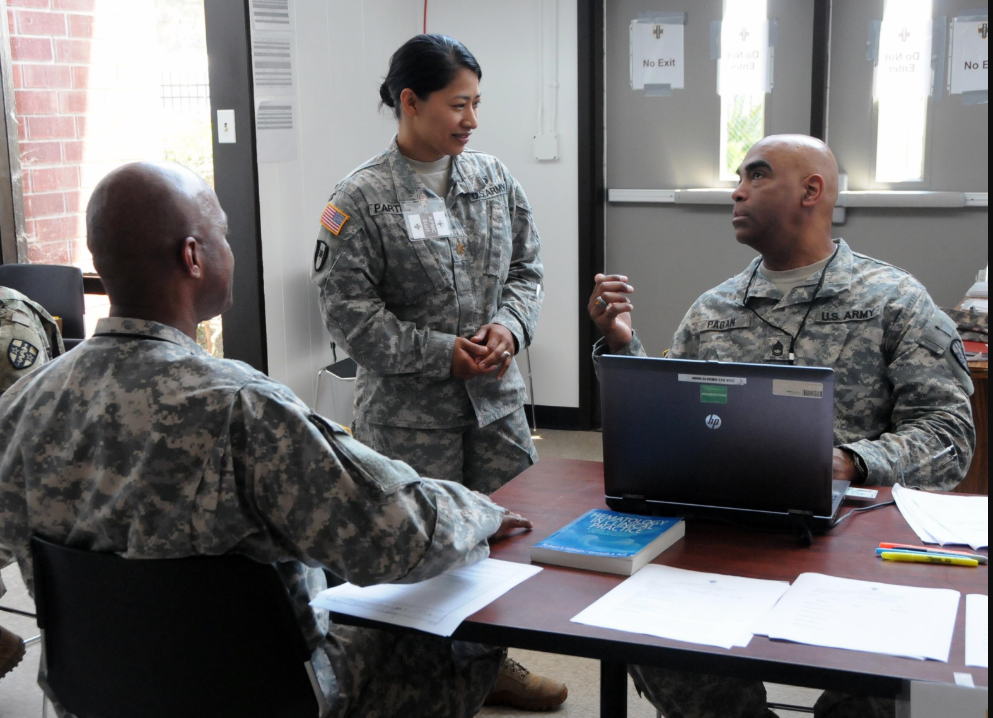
[(11, 651), (517, 687)]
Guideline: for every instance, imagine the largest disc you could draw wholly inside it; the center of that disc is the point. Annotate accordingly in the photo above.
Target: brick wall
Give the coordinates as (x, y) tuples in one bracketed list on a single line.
[(86, 84)]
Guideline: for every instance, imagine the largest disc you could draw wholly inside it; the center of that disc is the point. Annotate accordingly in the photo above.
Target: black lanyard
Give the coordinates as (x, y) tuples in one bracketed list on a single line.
[(791, 356)]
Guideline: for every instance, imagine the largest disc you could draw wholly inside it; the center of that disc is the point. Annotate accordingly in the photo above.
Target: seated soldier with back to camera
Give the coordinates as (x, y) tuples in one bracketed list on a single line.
[(140, 443)]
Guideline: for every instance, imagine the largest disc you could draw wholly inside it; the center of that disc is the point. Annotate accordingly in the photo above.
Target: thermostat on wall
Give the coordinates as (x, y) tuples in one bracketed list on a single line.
[(546, 146)]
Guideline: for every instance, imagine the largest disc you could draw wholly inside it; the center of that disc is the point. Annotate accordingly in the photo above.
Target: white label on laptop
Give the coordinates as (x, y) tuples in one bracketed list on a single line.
[(800, 389), (725, 380), (861, 493)]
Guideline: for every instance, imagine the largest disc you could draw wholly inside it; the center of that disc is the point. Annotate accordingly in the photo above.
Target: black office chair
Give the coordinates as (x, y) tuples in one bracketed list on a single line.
[(201, 636), (57, 288)]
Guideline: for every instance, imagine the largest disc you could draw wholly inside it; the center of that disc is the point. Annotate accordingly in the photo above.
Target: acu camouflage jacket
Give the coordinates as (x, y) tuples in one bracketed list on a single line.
[(397, 305)]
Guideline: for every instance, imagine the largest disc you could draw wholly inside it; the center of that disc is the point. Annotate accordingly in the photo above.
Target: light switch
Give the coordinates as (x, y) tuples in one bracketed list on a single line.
[(225, 126)]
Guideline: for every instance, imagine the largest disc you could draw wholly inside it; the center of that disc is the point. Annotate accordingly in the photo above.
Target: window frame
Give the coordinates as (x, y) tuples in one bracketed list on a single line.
[(12, 248)]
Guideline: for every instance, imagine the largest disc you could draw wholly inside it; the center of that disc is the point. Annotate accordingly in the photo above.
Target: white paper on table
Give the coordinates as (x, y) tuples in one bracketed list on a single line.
[(945, 519), (911, 514), (866, 616), (977, 630), (437, 605), (703, 608)]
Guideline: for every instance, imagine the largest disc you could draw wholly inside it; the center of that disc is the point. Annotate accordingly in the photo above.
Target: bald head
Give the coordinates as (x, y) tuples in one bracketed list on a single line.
[(785, 199), (156, 231), (803, 157)]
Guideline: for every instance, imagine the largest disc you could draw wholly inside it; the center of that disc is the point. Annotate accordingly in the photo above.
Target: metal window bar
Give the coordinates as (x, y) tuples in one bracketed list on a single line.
[(185, 92)]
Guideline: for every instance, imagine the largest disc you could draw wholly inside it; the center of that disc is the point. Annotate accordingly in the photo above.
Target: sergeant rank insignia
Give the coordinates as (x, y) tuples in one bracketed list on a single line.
[(21, 354)]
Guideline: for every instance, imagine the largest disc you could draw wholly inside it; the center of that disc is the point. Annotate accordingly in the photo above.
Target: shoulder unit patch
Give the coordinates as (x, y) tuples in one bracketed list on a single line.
[(22, 354), (958, 351), (320, 255)]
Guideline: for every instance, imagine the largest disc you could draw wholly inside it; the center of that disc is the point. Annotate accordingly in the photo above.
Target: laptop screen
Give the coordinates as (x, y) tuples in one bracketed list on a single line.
[(757, 437)]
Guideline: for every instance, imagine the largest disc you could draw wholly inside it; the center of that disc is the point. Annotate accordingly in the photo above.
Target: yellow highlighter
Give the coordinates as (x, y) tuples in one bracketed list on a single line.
[(926, 558)]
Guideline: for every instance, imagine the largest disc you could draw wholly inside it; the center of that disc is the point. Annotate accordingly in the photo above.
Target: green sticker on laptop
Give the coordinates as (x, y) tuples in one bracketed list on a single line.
[(710, 394)]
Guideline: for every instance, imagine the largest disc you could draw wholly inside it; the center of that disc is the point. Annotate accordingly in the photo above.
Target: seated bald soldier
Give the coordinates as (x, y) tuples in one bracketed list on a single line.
[(902, 383), (158, 450)]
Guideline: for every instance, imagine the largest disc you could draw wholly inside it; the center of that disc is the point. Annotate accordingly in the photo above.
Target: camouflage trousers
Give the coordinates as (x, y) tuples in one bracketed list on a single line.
[(382, 674), (482, 458), (677, 694)]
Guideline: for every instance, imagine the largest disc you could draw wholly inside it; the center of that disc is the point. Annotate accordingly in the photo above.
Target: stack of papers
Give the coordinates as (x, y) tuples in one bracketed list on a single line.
[(864, 616), (945, 519), (977, 630), (977, 297), (703, 608), (437, 605)]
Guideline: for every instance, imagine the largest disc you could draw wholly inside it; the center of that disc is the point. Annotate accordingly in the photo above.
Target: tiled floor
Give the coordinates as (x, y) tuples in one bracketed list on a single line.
[(20, 696)]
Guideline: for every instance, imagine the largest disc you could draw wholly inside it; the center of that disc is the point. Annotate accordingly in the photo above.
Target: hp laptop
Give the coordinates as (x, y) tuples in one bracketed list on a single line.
[(739, 441)]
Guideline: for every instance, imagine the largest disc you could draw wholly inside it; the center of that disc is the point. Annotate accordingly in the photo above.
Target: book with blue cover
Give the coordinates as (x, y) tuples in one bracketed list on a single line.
[(609, 541)]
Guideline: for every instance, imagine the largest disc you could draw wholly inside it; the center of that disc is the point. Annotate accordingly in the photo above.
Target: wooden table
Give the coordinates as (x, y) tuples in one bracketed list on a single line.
[(977, 480), (536, 615)]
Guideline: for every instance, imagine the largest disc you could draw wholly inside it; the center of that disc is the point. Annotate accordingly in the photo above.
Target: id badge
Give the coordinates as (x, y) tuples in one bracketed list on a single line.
[(426, 219)]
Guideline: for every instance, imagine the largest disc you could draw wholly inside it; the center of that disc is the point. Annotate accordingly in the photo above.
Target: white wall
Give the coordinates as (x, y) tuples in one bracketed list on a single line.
[(343, 49)]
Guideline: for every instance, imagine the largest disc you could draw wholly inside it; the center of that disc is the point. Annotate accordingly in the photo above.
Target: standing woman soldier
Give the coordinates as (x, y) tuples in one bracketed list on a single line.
[(427, 262)]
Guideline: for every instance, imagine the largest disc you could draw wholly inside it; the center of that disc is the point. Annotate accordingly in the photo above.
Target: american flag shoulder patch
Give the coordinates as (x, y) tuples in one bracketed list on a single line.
[(334, 219)]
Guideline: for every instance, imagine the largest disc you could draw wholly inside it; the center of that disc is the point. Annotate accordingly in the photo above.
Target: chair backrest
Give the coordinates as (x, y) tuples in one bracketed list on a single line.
[(57, 288), (199, 636)]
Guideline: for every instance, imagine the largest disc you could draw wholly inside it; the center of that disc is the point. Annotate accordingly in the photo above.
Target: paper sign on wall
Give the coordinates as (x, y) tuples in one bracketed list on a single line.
[(275, 129), (904, 69), (970, 56), (271, 14), (656, 54), (744, 63)]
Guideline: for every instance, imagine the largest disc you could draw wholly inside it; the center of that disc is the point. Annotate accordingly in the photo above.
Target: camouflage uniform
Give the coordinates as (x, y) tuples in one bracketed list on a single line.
[(397, 306), (973, 326), (29, 337), (162, 451), (901, 382), (902, 391)]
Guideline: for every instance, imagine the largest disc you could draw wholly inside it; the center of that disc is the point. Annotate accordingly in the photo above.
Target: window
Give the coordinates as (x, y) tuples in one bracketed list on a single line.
[(743, 80), (902, 85), (95, 88)]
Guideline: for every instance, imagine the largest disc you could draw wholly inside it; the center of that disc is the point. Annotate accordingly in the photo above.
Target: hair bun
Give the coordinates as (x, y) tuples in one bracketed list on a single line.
[(385, 96)]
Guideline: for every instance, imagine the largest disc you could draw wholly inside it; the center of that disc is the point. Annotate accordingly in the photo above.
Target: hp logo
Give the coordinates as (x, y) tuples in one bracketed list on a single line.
[(713, 421)]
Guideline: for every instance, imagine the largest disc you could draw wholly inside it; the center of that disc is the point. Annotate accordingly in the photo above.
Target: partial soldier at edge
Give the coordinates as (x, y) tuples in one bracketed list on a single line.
[(29, 338)]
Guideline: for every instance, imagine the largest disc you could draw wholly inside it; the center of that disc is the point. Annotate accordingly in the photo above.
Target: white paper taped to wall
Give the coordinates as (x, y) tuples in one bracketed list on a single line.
[(275, 129), (744, 63), (272, 63), (656, 54), (904, 69), (271, 14), (970, 56)]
